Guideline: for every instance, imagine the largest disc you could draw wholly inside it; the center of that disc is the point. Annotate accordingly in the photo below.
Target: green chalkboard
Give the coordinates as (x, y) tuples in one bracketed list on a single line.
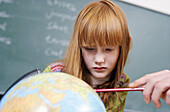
[(34, 33)]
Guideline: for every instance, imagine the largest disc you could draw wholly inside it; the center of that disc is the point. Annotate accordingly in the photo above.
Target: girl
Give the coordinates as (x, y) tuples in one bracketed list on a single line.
[(98, 51)]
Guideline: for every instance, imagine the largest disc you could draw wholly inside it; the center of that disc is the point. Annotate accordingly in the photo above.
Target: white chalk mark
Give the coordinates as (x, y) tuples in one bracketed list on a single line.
[(3, 14), (51, 40), (55, 26), (62, 16), (6, 1), (52, 52), (3, 26), (5, 40), (63, 4)]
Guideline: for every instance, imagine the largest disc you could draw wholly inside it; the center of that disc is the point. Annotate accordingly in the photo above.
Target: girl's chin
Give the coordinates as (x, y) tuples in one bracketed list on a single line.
[(99, 77)]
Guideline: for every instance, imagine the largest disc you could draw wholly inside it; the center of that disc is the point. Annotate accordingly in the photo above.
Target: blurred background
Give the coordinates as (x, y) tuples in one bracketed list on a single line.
[(34, 33)]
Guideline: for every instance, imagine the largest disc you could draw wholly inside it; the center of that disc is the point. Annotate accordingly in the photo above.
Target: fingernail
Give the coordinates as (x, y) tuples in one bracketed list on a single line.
[(146, 101)]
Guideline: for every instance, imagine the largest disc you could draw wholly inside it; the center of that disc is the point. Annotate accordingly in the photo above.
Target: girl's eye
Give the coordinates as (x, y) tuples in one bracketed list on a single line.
[(89, 48), (109, 49)]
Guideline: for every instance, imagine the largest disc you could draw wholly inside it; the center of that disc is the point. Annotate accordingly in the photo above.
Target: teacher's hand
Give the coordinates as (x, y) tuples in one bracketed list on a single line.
[(156, 86)]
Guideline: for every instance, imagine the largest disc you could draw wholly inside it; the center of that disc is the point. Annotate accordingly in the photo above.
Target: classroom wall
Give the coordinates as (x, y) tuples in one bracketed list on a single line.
[(34, 33), (150, 51)]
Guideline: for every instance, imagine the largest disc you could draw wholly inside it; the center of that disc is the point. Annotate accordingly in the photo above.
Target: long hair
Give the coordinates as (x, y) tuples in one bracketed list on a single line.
[(103, 23)]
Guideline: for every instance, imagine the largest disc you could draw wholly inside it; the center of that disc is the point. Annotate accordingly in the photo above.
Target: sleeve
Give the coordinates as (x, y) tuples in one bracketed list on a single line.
[(55, 67)]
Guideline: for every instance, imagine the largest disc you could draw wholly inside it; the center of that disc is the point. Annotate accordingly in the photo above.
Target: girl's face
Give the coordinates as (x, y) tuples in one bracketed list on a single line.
[(100, 61)]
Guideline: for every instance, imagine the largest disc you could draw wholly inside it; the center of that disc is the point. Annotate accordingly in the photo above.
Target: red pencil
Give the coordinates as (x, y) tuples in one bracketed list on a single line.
[(119, 89)]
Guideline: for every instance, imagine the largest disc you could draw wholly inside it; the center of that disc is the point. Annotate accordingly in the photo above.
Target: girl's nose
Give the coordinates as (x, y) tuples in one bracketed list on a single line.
[(99, 58)]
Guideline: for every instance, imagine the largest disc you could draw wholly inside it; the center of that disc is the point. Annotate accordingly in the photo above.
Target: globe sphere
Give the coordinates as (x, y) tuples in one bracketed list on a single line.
[(51, 92)]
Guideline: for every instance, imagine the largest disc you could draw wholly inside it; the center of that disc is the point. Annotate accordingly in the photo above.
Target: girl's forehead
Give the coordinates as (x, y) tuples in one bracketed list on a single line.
[(102, 36)]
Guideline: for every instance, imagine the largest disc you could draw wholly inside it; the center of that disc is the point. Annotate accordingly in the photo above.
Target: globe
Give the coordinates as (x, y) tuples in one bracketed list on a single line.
[(51, 92)]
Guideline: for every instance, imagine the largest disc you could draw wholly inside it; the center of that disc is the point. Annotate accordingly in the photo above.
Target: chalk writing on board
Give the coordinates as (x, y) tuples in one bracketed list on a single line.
[(55, 26), (5, 40), (3, 14), (51, 40), (51, 52), (63, 4), (57, 21), (6, 1), (60, 15), (3, 26)]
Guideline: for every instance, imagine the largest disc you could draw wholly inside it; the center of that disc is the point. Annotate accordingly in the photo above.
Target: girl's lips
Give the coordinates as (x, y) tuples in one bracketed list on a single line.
[(99, 68)]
